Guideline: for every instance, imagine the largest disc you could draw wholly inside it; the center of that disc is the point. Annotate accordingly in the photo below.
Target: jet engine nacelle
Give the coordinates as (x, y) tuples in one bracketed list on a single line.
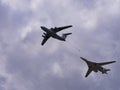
[(43, 36), (95, 70), (55, 28), (51, 28), (44, 33)]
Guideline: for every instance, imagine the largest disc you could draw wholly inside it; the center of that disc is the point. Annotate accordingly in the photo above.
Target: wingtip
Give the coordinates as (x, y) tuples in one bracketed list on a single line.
[(82, 58), (42, 44), (114, 61), (70, 25)]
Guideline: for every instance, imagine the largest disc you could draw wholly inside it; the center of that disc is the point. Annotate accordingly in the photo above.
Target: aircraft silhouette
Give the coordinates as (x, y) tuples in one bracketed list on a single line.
[(52, 32), (93, 66)]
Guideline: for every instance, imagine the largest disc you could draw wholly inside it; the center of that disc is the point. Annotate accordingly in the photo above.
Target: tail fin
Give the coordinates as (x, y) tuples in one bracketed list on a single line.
[(65, 35)]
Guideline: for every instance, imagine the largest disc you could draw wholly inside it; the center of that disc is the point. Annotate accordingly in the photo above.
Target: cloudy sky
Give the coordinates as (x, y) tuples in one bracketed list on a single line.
[(26, 65)]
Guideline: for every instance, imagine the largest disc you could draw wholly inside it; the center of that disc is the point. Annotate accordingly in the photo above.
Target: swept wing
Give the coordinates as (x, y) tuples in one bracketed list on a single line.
[(45, 39), (57, 29), (105, 63), (88, 72)]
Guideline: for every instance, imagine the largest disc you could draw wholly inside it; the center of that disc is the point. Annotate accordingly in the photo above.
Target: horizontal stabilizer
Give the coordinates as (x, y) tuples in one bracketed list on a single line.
[(107, 69), (57, 29), (67, 34)]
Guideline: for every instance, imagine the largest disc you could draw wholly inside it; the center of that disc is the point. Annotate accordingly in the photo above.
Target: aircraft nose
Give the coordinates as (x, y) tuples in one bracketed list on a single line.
[(42, 27)]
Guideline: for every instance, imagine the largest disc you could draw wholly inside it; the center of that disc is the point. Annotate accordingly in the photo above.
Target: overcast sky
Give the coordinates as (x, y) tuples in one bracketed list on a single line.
[(26, 65)]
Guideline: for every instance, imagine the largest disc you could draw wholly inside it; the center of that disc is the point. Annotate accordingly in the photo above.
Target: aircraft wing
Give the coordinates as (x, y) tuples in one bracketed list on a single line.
[(57, 29), (105, 63), (45, 39), (88, 72), (83, 59)]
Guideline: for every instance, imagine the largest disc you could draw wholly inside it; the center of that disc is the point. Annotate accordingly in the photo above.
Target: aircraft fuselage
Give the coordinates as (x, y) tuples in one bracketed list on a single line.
[(52, 33), (96, 67)]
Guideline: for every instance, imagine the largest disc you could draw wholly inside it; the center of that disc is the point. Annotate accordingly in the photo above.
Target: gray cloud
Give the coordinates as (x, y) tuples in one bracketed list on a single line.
[(26, 65)]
